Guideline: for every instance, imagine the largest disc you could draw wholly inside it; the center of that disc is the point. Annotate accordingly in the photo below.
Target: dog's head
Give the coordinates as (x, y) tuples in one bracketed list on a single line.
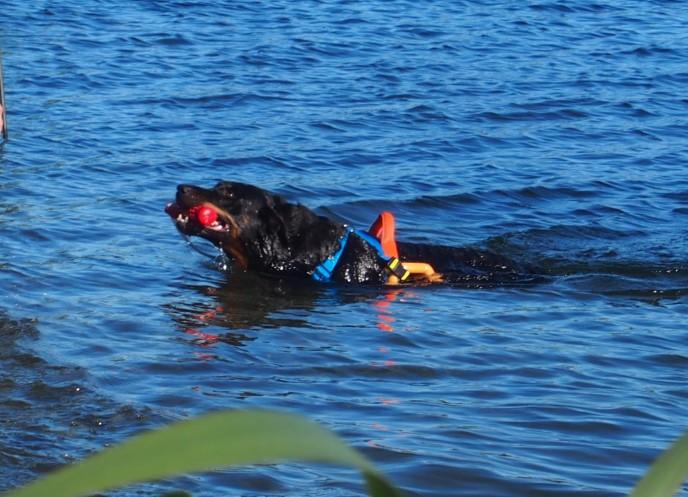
[(258, 229)]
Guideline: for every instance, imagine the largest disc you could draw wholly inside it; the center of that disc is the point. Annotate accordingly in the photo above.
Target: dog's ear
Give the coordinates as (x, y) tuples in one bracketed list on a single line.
[(297, 219), (294, 226), (273, 220)]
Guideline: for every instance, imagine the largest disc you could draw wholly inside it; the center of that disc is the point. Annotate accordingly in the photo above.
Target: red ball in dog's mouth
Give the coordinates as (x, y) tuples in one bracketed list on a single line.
[(204, 214)]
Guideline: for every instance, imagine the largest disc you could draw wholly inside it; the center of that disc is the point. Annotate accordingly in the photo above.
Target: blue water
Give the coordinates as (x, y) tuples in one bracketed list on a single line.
[(552, 132)]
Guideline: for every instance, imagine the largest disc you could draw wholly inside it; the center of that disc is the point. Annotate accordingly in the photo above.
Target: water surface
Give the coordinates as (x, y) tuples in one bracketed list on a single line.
[(551, 132)]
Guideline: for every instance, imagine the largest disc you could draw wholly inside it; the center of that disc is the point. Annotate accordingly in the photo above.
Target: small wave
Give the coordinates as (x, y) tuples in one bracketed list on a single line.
[(229, 162), (652, 295), (427, 113), (420, 31), (553, 115), (351, 21), (650, 51), (231, 98), (681, 196), (558, 103), (328, 126), (525, 195), (324, 49), (174, 41), (570, 8)]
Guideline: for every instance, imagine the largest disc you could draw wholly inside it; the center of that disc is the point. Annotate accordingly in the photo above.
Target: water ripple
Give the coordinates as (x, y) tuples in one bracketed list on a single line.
[(551, 132)]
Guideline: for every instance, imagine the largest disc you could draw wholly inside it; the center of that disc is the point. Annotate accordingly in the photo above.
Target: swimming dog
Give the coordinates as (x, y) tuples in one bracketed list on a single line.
[(263, 232)]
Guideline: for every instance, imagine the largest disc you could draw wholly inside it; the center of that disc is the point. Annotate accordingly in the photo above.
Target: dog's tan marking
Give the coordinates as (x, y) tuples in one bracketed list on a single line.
[(235, 247)]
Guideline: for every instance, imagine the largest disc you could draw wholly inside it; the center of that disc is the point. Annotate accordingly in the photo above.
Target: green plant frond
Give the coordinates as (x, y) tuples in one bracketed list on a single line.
[(667, 473), (209, 442)]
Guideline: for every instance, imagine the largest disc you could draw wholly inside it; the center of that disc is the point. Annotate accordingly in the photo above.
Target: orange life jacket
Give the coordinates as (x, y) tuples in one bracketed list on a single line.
[(383, 229)]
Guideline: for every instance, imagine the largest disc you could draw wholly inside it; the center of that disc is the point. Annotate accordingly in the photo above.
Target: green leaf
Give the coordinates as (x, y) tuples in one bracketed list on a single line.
[(667, 473), (206, 443)]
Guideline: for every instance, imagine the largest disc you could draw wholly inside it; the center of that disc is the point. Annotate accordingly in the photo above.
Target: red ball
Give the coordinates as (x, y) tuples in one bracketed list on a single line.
[(206, 215)]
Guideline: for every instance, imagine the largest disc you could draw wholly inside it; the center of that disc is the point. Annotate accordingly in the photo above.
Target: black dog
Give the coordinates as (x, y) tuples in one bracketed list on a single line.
[(264, 233)]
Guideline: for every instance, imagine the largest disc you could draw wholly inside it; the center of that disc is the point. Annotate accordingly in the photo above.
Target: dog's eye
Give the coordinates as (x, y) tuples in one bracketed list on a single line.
[(226, 192)]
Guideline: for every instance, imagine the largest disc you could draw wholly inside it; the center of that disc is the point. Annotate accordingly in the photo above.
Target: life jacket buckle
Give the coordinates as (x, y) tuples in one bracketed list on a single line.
[(396, 267)]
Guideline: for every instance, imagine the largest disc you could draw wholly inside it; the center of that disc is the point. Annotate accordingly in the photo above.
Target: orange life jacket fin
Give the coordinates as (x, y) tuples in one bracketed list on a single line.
[(383, 230)]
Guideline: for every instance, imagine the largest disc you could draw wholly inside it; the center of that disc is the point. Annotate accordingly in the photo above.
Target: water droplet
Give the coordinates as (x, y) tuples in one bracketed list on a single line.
[(222, 262)]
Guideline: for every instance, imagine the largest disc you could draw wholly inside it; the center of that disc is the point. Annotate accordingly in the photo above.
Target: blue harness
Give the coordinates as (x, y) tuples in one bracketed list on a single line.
[(324, 271)]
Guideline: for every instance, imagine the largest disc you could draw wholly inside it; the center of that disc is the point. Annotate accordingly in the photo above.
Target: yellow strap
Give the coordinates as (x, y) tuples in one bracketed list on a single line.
[(421, 268), (398, 269)]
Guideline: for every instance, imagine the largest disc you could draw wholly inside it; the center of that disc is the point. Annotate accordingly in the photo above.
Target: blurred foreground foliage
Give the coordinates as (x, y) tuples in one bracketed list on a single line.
[(251, 437)]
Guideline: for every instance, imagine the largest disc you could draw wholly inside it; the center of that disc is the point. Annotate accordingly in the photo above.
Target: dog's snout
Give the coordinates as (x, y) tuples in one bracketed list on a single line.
[(190, 195), (184, 189), (190, 192)]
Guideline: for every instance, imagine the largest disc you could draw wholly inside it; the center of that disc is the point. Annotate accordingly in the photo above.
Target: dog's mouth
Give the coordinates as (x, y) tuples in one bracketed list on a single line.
[(200, 218), (194, 215)]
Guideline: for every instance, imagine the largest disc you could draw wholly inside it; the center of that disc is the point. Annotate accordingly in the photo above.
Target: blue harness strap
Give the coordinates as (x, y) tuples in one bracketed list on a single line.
[(373, 242), (324, 271), (394, 265)]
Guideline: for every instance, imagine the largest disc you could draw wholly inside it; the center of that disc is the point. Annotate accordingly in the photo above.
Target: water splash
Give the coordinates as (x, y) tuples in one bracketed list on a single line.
[(221, 261)]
